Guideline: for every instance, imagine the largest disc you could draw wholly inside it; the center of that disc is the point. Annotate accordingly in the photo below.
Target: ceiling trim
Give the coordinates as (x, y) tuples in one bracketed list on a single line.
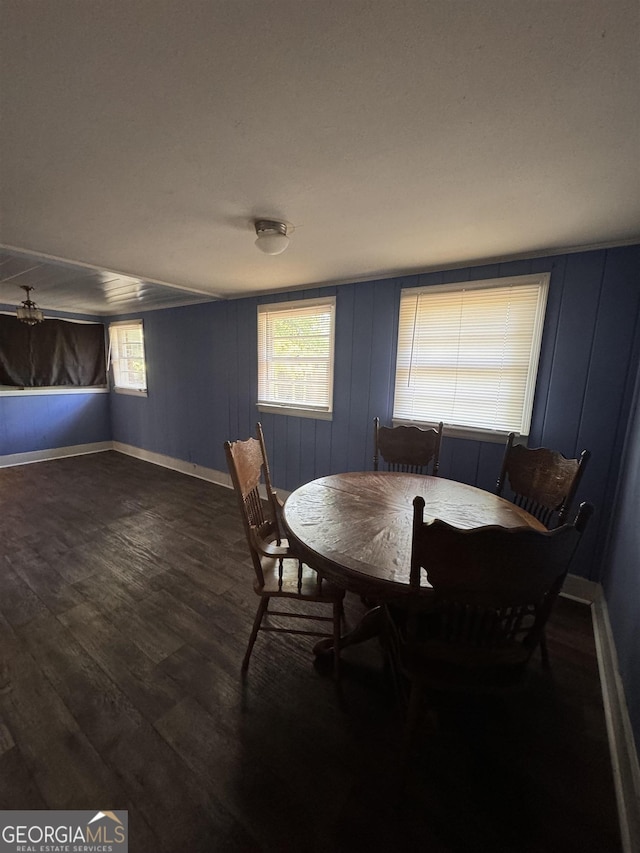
[(400, 272), (32, 253)]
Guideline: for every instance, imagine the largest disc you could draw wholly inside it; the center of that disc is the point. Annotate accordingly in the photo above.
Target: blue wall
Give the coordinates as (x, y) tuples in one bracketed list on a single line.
[(48, 421), (622, 577), (202, 379)]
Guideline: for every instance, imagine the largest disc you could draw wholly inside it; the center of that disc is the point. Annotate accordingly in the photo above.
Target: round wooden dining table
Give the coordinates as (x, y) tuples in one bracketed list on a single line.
[(355, 529)]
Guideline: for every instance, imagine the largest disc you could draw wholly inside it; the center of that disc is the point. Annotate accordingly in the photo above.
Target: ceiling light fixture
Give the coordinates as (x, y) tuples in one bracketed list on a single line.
[(29, 312), (271, 236)]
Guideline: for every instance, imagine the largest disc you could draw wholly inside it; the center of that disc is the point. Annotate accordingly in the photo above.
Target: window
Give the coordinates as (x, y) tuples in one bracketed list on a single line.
[(54, 354), (468, 353), (295, 357), (127, 356)]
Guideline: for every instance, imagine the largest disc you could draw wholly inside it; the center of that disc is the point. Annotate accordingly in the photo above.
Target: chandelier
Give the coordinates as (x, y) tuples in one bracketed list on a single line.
[(29, 312)]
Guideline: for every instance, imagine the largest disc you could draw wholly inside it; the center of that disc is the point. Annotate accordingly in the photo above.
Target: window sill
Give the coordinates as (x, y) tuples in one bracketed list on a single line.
[(133, 392), (294, 412), (469, 433), (11, 391)]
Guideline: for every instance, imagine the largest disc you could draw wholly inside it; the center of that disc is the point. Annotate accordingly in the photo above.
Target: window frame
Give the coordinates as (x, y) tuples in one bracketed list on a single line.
[(296, 409), (486, 433), (113, 360)]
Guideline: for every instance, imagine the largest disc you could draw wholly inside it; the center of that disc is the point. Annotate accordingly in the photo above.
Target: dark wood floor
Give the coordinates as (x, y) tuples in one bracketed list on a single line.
[(125, 607)]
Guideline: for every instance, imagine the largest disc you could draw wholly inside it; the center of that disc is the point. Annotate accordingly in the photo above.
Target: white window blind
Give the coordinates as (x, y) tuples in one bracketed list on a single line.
[(295, 354), (127, 355), (468, 353)]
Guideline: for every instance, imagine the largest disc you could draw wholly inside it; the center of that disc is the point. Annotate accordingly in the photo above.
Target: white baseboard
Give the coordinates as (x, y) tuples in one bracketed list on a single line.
[(53, 453), (211, 475), (622, 747), (580, 589)]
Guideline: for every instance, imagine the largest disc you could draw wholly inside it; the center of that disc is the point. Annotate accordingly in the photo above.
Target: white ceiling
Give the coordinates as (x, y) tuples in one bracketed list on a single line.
[(143, 137)]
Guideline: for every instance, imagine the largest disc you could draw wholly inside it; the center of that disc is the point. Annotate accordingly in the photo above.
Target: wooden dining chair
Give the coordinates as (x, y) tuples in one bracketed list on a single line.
[(543, 481), (279, 574), (408, 449), (479, 601)]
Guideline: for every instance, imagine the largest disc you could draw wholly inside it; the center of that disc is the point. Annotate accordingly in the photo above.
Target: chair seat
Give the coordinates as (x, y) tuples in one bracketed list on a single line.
[(293, 583), (272, 549)]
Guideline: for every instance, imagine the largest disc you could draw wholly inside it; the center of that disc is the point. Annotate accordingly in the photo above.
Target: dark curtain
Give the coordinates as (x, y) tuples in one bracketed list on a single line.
[(55, 352)]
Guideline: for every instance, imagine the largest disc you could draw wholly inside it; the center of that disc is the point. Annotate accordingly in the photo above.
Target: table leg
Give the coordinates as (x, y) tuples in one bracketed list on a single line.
[(369, 626)]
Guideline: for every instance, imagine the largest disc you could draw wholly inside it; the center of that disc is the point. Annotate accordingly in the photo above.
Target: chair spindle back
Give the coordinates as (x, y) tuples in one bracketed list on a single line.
[(407, 449), (492, 586), (543, 481)]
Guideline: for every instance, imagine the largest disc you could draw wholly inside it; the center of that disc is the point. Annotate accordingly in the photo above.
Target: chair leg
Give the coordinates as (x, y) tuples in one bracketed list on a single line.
[(262, 609), (337, 628)]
